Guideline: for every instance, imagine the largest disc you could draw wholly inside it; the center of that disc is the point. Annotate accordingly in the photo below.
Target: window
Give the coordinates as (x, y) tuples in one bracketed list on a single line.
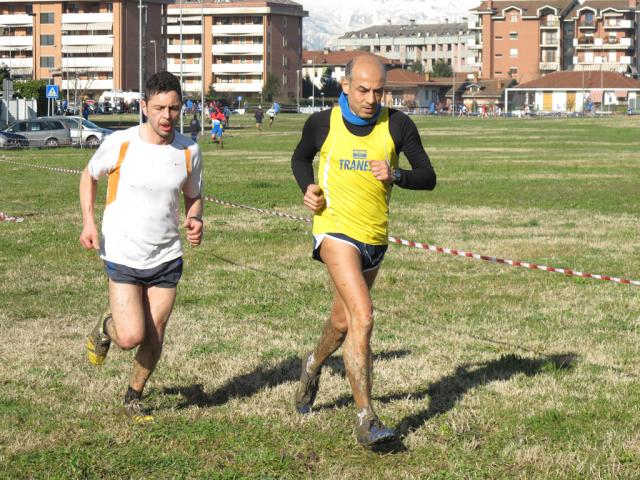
[(514, 18), (46, 62), (498, 55), (513, 71), (513, 35), (46, 39), (498, 37), (513, 52), (47, 17)]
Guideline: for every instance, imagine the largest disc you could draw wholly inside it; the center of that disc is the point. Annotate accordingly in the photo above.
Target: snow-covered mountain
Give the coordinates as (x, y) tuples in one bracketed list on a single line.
[(329, 19)]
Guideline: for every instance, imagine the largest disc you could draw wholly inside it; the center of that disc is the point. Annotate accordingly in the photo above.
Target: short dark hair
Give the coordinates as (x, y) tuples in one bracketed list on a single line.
[(162, 82)]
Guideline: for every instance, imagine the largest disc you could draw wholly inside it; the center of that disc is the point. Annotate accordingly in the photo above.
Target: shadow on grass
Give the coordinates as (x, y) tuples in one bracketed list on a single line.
[(248, 384), (447, 391), (248, 267)]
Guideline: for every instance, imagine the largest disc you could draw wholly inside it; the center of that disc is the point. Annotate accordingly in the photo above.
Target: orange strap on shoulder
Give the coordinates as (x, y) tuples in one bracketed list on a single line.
[(114, 176), (187, 158)]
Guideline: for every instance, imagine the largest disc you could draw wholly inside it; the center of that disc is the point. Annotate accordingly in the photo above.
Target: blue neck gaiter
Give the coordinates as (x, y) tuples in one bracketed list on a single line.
[(351, 117)]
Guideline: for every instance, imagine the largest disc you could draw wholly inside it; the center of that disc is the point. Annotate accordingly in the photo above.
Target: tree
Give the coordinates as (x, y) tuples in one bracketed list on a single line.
[(271, 88), (5, 72), (32, 89), (330, 86), (442, 69), (417, 67)]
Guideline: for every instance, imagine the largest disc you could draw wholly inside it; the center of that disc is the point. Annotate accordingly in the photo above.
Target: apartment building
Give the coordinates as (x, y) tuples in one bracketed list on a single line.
[(424, 43), (86, 46), (525, 39), (235, 45)]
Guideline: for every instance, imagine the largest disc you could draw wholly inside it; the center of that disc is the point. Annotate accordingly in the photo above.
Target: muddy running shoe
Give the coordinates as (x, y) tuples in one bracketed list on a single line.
[(308, 387), (370, 430), (98, 342), (136, 412)]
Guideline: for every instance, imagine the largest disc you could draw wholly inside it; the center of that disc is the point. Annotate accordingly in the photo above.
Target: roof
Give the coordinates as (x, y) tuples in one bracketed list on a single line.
[(528, 7), (337, 57), (399, 77), (410, 30), (580, 80), (599, 5), (488, 88)]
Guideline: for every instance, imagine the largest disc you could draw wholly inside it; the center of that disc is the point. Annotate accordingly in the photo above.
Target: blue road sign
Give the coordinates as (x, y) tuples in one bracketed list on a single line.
[(53, 91)]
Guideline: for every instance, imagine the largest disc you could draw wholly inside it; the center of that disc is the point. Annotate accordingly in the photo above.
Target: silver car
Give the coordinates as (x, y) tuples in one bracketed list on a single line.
[(42, 132), (91, 134)]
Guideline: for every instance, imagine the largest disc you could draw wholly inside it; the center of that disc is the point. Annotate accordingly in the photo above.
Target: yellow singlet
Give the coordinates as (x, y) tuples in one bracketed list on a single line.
[(357, 204)]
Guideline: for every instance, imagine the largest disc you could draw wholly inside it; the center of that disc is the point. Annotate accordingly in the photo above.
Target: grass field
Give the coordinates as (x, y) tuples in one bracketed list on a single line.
[(488, 371)]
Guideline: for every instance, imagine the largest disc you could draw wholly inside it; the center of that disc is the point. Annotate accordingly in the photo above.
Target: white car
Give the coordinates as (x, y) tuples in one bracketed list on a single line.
[(92, 135)]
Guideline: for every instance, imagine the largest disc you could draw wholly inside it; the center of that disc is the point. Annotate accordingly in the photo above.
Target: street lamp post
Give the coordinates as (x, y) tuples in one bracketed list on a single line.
[(322, 95), (140, 59), (155, 63)]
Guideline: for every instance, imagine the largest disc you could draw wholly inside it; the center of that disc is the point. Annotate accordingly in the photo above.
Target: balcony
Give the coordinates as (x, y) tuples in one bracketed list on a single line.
[(550, 24), (186, 29), (618, 43), (587, 26), (238, 49), (87, 40), (175, 49), (617, 24), (16, 43), (249, 87), (88, 63), (89, 84), (186, 68), (549, 66), (475, 44), (21, 20), (87, 17), (17, 62), (238, 30), (229, 68), (550, 41)]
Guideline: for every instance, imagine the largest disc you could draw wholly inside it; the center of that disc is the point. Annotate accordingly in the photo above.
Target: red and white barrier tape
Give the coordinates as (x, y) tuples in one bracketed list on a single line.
[(398, 241), (8, 218)]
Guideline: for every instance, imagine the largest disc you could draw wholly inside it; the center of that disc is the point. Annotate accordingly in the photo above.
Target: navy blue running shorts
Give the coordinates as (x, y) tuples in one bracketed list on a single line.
[(371, 255), (165, 275)]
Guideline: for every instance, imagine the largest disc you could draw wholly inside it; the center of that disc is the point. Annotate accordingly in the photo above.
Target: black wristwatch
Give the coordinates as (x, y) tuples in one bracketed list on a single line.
[(397, 176)]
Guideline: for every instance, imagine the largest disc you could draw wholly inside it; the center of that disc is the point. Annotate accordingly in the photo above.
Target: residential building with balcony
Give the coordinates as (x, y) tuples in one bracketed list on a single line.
[(605, 35), (423, 43), (526, 39), (235, 45), (85, 47)]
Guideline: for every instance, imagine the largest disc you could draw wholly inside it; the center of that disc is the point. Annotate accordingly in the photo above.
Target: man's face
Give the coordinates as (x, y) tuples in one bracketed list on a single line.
[(162, 111), (365, 89)]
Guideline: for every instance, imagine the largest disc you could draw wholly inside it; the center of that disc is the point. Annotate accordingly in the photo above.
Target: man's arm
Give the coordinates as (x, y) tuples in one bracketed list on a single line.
[(193, 222), (314, 133), (89, 237), (405, 134)]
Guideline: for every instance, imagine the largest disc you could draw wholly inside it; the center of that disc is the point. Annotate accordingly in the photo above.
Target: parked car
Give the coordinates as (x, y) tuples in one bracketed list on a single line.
[(12, 140), (42, 132), (92, 135)]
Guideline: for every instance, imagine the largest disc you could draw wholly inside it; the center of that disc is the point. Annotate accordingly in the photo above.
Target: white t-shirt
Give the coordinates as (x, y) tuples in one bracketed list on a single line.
[(141, 218)]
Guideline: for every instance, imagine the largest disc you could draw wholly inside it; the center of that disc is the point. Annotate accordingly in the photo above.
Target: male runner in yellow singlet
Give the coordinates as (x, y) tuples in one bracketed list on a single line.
[(359, 143)]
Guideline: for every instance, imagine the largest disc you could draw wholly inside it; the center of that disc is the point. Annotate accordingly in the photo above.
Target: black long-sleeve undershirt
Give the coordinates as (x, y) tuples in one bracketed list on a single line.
[(403, 132)]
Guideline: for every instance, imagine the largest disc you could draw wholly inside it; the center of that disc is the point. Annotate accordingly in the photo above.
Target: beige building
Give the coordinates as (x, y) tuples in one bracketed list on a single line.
[(236, 45), (415, 42), (88, 46)]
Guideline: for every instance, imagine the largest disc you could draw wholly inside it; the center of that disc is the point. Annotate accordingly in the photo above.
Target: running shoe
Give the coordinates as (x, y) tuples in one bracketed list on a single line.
[(370, 431), (98, 342), (307, 388), (136, 412)]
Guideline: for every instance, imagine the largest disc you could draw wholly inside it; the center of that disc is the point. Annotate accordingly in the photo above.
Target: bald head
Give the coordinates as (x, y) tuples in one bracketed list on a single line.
[(365, 76), (368, 63)]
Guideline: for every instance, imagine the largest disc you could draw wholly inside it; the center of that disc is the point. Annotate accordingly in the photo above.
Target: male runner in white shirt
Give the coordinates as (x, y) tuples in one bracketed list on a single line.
[(148, 166)]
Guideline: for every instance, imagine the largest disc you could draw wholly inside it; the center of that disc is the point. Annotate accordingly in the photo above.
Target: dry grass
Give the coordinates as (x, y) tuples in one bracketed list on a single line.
[(488, 371)]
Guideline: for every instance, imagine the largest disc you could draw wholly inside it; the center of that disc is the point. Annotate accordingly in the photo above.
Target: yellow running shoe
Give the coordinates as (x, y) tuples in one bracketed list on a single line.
[(136, 412), (98, 342)]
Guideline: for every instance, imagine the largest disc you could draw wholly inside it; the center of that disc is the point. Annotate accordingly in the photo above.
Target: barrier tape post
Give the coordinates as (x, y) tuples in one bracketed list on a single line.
[(398, 241)]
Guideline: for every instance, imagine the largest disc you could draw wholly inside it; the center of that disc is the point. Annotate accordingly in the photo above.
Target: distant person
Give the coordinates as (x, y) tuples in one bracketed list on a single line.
[(259, 116), (271, 113), (148, 166), (216, 128), (194, 128), (227, 114), (85, 111)]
